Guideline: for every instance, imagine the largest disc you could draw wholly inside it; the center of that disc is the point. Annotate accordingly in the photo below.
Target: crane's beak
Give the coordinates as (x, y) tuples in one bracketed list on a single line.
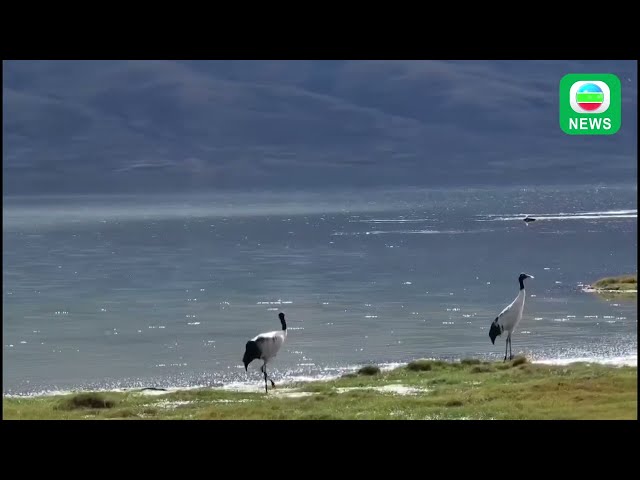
[(530, 276)]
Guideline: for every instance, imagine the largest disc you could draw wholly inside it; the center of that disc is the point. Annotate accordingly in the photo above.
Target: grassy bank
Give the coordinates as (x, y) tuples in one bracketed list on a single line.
[(622, 283), (423, 389), (621, 287)]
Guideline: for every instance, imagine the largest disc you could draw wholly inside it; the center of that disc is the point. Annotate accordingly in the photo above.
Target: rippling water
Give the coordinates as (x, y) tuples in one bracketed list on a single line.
[(104, 292)]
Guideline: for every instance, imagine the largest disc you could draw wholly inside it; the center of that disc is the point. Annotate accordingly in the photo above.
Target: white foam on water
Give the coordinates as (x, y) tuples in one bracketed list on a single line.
[(625, 360), (154, 393), (392, 220), (43, 393), (254, 386), (385, 367), (399, 232), (242, 386), (137, 390), (611, 212), (607, 214)]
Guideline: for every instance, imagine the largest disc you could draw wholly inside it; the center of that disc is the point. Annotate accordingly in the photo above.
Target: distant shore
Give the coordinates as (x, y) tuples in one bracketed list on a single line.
[(423, 389), (626, 285)]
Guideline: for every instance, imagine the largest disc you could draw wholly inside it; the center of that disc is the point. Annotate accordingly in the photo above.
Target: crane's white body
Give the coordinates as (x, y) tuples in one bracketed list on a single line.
[(509, 318), (270, 344)]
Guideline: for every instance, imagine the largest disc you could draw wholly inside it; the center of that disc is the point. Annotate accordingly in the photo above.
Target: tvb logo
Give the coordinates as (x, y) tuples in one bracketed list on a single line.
[(590, 104)]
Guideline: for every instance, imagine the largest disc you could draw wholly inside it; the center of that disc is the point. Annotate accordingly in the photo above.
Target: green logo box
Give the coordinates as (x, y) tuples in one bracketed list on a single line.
[(590, 104)]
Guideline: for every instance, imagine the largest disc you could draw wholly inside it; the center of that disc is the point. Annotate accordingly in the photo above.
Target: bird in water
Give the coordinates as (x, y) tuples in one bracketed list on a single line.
[(509, 318), (528, 219), (265, 347)]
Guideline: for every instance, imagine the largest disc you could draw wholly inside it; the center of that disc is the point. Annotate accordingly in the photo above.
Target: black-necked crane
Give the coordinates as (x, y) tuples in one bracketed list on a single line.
[(509, 318), (265, 347)]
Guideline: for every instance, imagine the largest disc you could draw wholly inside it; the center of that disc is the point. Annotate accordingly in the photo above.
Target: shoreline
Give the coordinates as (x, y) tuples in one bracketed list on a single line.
[(423, 389), (630, 360), (590, 289)]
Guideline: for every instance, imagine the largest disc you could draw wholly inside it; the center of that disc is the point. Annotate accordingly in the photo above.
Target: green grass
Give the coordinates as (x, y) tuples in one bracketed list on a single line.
[(85, 400), (369, 370), (424, 389), (622, 287), (621, 283)]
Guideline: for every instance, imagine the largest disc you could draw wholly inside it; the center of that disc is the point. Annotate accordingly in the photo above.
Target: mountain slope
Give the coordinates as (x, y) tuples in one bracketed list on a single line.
[(185, 125)]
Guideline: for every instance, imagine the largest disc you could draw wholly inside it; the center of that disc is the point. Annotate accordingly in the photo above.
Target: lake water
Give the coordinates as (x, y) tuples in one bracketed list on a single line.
[(124, 291)]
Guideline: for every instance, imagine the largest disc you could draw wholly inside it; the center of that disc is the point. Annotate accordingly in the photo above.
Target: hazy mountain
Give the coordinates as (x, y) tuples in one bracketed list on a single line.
[(135, 126)]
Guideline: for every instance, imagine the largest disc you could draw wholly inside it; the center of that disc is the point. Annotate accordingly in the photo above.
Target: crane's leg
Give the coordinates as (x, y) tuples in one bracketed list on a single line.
[(264, 370), (506, 345), (510, 352), (269, 377)]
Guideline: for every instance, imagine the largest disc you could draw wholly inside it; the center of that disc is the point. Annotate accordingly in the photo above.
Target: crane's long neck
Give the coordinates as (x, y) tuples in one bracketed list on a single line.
[(521, 280), (284, 325), (521, 295)]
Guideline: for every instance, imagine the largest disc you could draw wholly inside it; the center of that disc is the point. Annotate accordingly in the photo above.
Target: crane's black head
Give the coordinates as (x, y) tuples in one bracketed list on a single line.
[(521, 279), (494, 332), (251, 353), (284, 324)]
